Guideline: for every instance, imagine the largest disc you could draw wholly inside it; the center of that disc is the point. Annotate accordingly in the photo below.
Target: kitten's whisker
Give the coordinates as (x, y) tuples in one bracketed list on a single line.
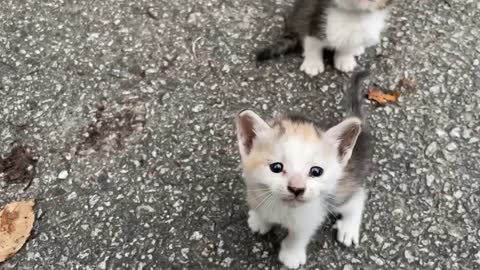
[(269, 206), (259, 189), (277, 199), (328, 207), (262, 202), (261, 195)]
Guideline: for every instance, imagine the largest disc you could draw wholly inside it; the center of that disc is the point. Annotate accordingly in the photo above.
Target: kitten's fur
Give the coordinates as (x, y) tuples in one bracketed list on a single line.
[(343, 151), (347, 26)]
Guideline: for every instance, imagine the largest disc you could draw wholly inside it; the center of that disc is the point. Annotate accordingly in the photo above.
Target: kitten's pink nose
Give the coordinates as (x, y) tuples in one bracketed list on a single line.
[(296, 191), (296, 185)]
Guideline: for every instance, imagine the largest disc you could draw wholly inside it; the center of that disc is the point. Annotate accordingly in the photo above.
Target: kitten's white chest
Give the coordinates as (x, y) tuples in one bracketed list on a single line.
[(348, 30), (310, 215)]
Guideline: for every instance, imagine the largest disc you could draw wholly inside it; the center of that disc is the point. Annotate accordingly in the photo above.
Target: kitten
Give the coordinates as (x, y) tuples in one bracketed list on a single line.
[(296, 173), (347, 26)]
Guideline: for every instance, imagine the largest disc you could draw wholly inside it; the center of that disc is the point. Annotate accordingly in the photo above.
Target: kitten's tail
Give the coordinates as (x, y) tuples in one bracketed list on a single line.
[(356, 95), (288, 43)]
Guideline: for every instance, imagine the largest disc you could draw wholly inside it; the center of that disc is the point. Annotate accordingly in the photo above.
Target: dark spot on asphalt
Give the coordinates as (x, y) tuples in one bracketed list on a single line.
[(111, 129), (137, 71), (18, 166)]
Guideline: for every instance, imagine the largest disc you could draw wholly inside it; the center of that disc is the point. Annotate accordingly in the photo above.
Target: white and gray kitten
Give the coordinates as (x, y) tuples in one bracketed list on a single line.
[(296, 173), (347, 26)]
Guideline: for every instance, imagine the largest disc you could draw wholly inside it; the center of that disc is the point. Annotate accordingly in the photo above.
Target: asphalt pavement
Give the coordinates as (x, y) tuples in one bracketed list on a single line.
[(118, 117)]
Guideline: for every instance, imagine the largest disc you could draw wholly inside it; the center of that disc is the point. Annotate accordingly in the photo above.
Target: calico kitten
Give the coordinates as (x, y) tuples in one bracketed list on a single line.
[(296, 173), (347, 26)]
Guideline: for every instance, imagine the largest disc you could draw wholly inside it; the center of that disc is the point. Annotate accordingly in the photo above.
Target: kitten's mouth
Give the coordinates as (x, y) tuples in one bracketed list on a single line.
[(294, 201)]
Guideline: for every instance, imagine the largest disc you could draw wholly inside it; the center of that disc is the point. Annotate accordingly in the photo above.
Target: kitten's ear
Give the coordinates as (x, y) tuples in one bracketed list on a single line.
[(248, 125), (346, 134)]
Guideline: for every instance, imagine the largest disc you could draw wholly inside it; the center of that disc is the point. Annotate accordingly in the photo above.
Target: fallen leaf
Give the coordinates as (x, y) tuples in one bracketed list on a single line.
[(16, 222), (382, 97)]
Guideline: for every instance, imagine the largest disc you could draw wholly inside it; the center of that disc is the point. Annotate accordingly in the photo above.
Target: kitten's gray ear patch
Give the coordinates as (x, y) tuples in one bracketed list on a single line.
[(248, 125), (346, 133), (348, 138)]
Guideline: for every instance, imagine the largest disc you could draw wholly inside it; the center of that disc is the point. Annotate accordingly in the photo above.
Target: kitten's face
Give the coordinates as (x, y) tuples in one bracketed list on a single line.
[(292, 160), (363, 5)]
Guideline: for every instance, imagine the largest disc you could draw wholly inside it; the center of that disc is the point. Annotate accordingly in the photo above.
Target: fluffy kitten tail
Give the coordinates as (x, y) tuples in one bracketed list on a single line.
[(288, 43), (356, 95)]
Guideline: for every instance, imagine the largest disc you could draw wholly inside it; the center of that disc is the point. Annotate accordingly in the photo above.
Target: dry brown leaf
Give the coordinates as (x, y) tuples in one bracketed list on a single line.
[(16, 222), (382, 97)]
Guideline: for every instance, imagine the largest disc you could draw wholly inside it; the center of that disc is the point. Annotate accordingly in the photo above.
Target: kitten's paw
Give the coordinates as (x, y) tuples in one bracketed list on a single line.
[(348, 232), (257, 224), (359, 51), (345, 63), (312, 66), (292, 258)]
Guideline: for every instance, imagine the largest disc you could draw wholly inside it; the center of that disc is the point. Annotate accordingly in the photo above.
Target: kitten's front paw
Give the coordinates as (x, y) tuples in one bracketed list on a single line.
[(348, 232), (257, 224), (359, 51), (312, 66), (292, 258), (345, 63)]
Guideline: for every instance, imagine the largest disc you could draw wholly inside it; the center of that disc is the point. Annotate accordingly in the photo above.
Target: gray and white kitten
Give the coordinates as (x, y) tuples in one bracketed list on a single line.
[(347, 26), (297, 172)]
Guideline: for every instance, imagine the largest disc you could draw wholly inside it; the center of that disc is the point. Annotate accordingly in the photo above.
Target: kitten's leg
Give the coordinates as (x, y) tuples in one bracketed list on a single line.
[(313, 58), (257, 223), (344, 60), (293, 251), (349, 225)]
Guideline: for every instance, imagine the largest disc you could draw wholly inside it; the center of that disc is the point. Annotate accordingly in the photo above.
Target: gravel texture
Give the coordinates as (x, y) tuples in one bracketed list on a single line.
[(126, 108)]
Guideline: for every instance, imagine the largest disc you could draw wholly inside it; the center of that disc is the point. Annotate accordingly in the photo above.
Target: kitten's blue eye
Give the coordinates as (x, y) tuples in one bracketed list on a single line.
[(276, 167), (316, 171)]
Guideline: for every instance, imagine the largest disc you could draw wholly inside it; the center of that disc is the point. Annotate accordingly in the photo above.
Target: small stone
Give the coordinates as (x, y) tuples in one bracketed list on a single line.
[(431, 149), (377, 260), (458, 194), (197, 108), (165, 97), (467, 134), (103, 264), (184, 252), (478, 257), (451, 147), (93, 200), (430, 180), (455, 132), (43, 237), (397, 212), (435, 89), (409, 256), (226, 68), (435, 230), (348, 267), (379, 239), (194, 18), (449, 156), (440, 132), (72, 196), (196, 236), (388, 110), (473, 140), (63, 175), (227, 262), (147, 90)]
